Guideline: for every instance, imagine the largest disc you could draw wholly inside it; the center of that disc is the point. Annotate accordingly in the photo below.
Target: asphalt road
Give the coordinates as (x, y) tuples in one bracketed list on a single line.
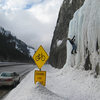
[(17, 68), (21, 69)]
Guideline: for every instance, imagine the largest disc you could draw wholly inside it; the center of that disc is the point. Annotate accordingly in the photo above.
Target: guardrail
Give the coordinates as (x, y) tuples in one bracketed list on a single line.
[(6, 64)]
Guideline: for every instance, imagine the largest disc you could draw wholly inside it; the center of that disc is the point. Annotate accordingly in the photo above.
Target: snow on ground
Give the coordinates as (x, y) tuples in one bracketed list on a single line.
[(70, 84)]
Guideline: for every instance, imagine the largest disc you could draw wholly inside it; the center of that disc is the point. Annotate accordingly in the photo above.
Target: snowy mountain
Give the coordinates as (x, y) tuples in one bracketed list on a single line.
[(85, 26), (31, 50), (13, 49)]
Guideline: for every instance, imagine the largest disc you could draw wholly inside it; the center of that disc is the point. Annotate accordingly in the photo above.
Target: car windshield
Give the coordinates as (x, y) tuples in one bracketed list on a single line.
[(6, 74)]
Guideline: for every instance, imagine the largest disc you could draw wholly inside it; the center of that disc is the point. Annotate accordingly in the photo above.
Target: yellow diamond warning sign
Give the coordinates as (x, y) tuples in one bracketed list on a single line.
[(40, 57), (40, 76)]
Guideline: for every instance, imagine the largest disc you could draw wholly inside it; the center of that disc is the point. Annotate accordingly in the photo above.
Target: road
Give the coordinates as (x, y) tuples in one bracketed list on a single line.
[(21, 69)]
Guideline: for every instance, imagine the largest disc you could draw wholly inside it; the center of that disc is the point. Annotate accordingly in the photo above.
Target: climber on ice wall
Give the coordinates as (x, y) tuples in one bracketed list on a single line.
[(74, 47)]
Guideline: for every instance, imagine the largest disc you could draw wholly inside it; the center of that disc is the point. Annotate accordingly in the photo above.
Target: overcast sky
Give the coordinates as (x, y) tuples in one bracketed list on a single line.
[(32, 21)]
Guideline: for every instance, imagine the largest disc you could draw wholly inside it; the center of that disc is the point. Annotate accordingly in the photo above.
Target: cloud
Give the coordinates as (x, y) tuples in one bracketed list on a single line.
[(32, 3), (32, 21), (11, 5)]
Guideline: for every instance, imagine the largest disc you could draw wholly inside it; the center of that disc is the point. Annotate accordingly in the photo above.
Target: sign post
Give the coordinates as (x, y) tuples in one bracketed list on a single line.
[(40, 58)]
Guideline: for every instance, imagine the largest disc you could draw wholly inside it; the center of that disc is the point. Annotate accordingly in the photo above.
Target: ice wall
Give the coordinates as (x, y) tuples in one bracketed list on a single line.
[(85, 25)]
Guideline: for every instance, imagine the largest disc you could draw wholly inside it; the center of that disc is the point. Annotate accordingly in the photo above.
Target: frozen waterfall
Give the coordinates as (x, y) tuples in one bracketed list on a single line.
[(85, 25)]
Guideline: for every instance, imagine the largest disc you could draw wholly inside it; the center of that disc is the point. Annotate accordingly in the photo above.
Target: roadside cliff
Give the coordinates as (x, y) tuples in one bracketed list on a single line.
[(58, 49), (85, 25)]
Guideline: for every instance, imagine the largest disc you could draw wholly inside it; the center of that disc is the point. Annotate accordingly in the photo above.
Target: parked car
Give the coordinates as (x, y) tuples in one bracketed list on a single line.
[(9, 79)]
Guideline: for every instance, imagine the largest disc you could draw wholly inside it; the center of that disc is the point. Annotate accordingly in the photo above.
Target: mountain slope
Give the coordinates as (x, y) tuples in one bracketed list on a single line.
[(13, 49)]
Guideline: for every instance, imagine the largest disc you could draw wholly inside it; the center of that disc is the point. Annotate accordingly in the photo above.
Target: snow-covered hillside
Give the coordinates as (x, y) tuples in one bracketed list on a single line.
[(31, 51), (85, 25), (13, 49)]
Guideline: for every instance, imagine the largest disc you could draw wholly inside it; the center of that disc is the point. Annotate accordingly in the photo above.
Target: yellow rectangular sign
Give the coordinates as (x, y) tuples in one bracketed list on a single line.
[(40, 76)]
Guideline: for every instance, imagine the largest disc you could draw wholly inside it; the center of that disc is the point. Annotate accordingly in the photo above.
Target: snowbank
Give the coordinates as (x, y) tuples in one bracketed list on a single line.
[(71, 84), (85, 25), (27, 90)]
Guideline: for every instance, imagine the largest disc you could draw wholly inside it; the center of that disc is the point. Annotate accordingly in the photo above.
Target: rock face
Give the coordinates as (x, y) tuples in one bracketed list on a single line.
[(58, 53)]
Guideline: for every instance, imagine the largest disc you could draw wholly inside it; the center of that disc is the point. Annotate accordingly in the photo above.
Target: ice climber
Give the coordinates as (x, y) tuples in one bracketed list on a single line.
[(74, 47)]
